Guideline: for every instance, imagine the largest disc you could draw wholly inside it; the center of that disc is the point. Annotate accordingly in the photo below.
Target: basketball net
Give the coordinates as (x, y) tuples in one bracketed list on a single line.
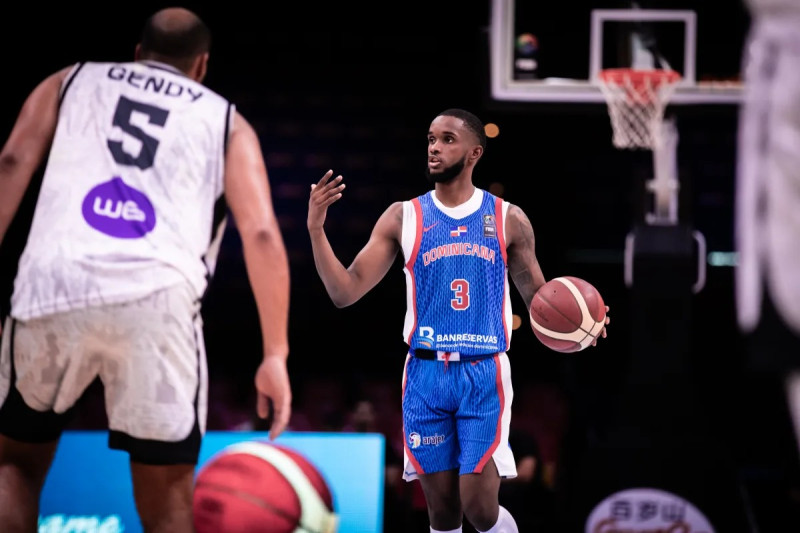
[(636, 101)]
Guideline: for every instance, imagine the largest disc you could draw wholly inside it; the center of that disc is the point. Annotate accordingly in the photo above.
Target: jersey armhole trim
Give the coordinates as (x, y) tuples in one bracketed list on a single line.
[(418, 234), (229, 113), (501, 230), (68, 80)]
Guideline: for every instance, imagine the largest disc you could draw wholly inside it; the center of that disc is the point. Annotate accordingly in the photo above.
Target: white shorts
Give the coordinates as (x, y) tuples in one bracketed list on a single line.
[(149, 355)]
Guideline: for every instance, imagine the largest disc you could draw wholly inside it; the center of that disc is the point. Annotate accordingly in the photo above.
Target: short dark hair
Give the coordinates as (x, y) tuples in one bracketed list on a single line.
[(472, 122), (177, 43)]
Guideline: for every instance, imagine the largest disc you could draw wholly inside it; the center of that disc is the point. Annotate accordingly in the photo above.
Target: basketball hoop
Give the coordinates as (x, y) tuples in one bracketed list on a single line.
[(636, 102)]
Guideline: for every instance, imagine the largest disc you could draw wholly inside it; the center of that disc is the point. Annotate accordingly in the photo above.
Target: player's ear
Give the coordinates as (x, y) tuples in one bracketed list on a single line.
[(476, 153), (137, 53), (200, 67)]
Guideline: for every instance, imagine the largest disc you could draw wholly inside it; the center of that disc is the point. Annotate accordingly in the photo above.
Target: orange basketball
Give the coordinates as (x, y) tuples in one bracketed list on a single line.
[(261, 487), (567, 314)]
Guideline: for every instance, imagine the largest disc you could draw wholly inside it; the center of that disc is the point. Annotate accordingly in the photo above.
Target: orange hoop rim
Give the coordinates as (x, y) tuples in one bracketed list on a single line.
[(638, 77)]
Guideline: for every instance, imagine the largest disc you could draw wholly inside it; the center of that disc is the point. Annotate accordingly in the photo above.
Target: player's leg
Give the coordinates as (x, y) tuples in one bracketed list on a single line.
[(431, 447), (156, 387), (32, 381), (23, 470), (443, 500), (479, 494), (163, 495), (483, 422)]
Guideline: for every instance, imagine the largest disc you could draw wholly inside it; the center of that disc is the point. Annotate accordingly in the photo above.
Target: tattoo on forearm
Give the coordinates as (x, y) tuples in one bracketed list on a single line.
[(525, 284), (524, 254)]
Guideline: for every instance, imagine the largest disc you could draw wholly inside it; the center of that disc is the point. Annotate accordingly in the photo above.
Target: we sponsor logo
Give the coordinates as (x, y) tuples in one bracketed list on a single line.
[(118, 210)]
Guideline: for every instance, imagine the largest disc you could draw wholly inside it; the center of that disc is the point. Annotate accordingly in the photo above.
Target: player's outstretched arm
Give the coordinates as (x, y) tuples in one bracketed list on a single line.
[(523, 266), (27, 145), (248, 194), (346, 286)]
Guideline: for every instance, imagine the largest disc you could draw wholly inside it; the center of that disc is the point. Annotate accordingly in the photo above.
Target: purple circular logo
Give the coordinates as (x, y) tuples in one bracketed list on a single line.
[(118, 210)]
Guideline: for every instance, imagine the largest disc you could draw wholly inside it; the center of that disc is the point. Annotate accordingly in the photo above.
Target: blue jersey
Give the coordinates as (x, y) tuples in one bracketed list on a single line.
[(456, 273)]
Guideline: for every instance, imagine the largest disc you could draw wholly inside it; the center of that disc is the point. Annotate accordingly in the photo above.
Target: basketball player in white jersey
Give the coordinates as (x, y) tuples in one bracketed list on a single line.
[(141, 162), (459, 245), (768, 242)]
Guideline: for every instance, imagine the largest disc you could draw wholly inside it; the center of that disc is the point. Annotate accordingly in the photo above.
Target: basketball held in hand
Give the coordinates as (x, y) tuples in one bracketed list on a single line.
[(567, 314)]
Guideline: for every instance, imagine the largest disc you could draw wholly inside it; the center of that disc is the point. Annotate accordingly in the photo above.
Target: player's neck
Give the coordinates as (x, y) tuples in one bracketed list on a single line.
[(455, 193)]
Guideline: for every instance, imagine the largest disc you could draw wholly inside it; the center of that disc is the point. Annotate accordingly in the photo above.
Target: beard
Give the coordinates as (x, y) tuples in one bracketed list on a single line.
[(447, 174)]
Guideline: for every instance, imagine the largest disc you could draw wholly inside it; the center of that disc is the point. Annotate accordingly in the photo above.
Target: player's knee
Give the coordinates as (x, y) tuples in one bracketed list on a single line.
[(444, 511), (163, 496), (30, 462), (482, 512), (503, 523)]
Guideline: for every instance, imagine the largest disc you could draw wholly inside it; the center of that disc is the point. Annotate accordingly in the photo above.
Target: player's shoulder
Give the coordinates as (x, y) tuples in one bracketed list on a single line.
[(240, 124), (515, 212), (390, 222), (492, 197), (420, 198), (393, 215), (62, 74), (395, 209), (56, 80), (517, 224), (422, 202)]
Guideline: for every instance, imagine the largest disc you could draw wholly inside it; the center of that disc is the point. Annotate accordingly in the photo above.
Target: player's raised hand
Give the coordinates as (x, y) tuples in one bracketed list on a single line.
[(323, 194)]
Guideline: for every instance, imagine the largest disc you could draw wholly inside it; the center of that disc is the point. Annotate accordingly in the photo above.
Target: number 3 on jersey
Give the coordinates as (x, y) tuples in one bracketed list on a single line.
[(460, 288)]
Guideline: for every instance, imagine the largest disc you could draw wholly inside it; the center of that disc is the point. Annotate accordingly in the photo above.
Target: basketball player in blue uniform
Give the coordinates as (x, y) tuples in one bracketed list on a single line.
[(459, 243), (141, 162)]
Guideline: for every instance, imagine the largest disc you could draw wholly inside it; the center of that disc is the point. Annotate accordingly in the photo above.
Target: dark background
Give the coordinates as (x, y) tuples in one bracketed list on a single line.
[(353, 87)]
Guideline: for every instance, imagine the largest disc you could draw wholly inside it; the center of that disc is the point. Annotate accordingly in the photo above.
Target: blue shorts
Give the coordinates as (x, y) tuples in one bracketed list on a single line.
[(456, 415)]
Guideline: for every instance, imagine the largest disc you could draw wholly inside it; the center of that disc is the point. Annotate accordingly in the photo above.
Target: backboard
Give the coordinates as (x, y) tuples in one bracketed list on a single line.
[(553, 51)]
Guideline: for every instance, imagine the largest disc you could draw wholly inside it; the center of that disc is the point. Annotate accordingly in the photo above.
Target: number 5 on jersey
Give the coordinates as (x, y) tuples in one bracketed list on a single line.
[(123, 118)]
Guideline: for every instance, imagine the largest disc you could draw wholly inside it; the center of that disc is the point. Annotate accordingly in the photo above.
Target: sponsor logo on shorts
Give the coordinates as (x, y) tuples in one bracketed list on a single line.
[(433, 440), (415, 440)]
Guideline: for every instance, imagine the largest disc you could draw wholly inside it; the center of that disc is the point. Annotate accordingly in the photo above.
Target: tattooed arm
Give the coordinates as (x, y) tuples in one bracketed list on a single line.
[(522, 263), (521, 247)]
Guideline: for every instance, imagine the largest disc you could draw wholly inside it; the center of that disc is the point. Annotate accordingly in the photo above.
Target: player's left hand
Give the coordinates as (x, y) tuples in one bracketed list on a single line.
[(603, 333)]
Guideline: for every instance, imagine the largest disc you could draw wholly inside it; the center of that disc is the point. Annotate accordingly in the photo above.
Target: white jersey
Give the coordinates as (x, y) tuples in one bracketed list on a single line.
[(773, 7), (131, 199), (768, 181)]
